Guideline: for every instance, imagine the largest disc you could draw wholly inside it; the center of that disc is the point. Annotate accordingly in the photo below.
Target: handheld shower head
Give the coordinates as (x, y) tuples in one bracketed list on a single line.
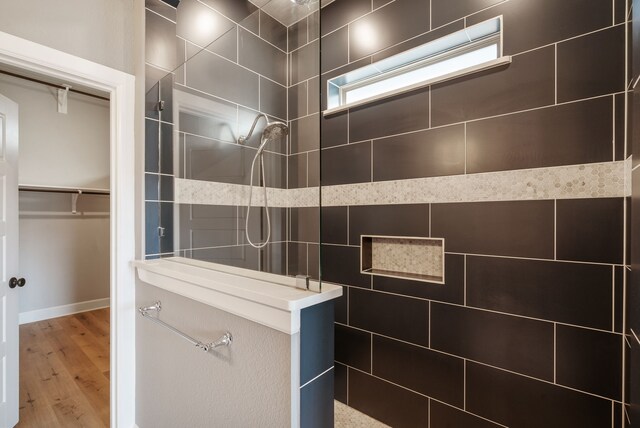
[(272, 131)]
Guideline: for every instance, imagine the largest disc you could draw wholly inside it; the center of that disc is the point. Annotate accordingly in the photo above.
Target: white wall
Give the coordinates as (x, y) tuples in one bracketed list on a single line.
[(63, 257), (101, 31), (60, 149)]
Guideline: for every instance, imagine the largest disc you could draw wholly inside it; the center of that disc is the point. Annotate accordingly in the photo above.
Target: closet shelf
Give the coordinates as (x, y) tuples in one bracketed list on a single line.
[(62, 189)]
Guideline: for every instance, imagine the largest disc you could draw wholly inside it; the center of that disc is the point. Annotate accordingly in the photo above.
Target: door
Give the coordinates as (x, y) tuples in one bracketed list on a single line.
[(8, 262)]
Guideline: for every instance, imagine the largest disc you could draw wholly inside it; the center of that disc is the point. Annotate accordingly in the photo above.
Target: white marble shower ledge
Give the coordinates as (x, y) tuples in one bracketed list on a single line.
[(268, 299)]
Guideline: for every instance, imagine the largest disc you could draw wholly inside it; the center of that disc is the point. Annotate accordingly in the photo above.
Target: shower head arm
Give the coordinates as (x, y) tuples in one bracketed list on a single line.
[(243, 138)]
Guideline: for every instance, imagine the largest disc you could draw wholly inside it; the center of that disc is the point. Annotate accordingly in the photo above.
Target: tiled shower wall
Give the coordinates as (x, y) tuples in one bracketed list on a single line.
[(528, 329), (633, 287), (240, 63)]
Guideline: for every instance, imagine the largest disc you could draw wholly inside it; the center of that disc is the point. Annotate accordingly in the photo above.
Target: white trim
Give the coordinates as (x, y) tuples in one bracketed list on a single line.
[(60, 311), (37, 58), (444, 78), (267, 299)]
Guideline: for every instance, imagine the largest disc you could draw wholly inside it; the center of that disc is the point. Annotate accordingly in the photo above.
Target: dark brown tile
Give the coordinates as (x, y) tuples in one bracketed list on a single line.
[(420, 40), (297, 34), (335, 50), (353, 347), (296, 259), (340, 383), (297, 171), (341, 265), (314, 92), (305, 224), (443, 416), (619, 124), (341, 12), (152, 146), (390, 404), (298, 100), (445, 11), (568, 134), (530, 25), (166, 148), (335, 129), (436, 152), (346, 164), (273, 99), (313, 165), (305, 62), (238, 10), (191, 12), (211, 160), (387, 26), (618, 296), (333, 225), (633, 283), (518, 401), (394, 220), (401, 317), (452, 291), (313, 261), (590, 230), (589, 360), (261, 57), (573, 293), (518, 228), (342, 306), (396, 115), (273, 258), (430, 373), (518, 344), (273, 31), (204, 226), (160, 42), (305, 134), (218, 124), (217, 76), (242, 256), (530, 76), (580, 65)]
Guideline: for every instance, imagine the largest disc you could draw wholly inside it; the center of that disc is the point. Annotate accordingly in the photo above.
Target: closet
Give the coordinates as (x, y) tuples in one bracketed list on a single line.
[(64, 250)]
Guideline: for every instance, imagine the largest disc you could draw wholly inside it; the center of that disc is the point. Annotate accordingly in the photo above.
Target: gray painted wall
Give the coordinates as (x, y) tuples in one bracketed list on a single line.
[(64, 257), (98, 30), (246, 385)]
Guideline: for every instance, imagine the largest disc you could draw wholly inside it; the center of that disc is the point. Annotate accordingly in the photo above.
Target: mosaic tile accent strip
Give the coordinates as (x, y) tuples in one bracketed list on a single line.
[(398, 256), (598, 180), (348, 417), (212, 193)]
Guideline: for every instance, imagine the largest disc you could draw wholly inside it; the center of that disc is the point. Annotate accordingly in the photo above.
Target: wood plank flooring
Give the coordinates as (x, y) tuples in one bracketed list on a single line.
[(64, 371)]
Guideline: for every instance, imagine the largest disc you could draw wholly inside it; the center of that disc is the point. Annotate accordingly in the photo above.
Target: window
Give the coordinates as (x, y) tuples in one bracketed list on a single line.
[(473, 49)]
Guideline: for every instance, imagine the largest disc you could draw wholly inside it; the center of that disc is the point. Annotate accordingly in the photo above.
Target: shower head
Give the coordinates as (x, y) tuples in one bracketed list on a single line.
[(271, 131), (275, 130)]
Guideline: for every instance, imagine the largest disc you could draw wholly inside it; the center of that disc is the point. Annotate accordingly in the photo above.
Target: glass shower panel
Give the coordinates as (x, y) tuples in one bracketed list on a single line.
[(239, 60)]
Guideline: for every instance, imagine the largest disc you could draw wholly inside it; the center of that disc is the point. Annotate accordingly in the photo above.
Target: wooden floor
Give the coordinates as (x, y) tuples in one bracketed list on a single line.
[(64, 371)]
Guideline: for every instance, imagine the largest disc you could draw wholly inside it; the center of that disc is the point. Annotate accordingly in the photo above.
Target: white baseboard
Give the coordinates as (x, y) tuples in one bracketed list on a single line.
[(60, 311)]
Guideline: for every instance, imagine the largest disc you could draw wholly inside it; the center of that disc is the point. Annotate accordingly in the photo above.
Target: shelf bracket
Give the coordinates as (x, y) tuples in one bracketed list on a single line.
[(74, 202), (63, 95)]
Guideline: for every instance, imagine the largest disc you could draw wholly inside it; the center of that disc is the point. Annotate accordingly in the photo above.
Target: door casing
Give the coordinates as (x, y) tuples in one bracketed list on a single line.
[(125, 213)]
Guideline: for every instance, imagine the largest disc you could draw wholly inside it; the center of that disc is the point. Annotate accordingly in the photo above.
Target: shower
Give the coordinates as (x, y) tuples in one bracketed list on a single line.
[(272, 131)]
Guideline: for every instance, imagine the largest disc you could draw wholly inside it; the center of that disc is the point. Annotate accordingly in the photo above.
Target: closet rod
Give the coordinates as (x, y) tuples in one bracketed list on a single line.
[(71, 191), (53, 85)]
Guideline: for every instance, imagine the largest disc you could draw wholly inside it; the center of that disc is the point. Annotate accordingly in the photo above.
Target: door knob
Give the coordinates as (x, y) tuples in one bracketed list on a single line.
[(13, 282)]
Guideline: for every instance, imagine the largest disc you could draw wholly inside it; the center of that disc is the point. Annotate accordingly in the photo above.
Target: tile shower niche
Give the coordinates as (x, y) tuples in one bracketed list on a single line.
[(406, 257)]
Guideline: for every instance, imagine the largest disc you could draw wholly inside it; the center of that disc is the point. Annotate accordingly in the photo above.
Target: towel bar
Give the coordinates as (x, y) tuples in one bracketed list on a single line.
[(224, 340)]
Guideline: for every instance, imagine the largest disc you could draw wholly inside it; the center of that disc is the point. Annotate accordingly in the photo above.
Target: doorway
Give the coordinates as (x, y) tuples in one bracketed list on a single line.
[(63, 248), (30, 57)]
